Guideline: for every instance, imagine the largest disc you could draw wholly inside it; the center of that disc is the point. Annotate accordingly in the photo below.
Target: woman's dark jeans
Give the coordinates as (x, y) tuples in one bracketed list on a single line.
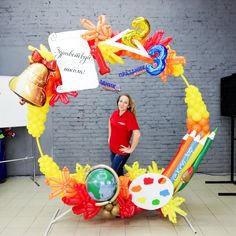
[(117, 162)]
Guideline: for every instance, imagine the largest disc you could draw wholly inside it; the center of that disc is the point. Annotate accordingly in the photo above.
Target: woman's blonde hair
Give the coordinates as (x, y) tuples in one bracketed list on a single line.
[(131, 106)]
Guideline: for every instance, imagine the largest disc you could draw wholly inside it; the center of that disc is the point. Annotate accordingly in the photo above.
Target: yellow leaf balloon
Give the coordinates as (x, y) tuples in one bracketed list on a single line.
[(172, 207), (81, 173), (134, 171), (154, 168)]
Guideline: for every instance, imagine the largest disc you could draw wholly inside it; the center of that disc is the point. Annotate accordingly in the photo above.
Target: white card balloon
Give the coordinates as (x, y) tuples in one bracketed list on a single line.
[(76, 64)]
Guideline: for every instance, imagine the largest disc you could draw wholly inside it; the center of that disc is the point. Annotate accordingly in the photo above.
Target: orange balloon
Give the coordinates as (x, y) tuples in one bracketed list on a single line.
[(124, 188), (163, 76), (203, 122), (206, 128), (190, 121), (189, 127), (197, 127)]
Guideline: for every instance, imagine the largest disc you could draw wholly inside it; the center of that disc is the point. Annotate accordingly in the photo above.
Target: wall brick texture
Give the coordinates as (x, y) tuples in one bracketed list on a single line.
[(203, 32)]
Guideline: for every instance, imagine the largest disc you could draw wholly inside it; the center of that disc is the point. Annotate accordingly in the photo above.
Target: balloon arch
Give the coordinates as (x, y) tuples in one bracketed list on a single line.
[(91, 190)]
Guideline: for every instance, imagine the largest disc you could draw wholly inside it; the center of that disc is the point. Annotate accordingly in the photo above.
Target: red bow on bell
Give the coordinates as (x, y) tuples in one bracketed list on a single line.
[(36, 57)]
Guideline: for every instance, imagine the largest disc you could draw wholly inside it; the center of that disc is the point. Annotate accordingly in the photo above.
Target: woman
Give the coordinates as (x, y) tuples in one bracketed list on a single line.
[(123, 126)]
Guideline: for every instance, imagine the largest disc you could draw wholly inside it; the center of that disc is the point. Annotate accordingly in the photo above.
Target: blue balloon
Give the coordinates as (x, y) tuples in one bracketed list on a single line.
[(158, 60)]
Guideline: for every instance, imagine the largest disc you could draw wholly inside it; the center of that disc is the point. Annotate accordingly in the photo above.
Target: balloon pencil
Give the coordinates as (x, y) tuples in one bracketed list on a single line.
[(185, 157), (207, 145), (204, 150), (176, 159), (191, 160)]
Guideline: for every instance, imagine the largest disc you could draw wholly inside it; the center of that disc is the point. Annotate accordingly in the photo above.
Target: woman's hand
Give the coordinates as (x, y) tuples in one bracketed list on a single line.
[(126, 149), (135, 141)]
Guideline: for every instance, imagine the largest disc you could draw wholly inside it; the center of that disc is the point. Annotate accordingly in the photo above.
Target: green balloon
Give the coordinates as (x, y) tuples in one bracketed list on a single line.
[(101, 184)]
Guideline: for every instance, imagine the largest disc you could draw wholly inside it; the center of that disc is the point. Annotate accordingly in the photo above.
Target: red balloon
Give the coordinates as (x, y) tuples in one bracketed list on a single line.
[(91, 42), (82, 203), (36, 57), (103, 68), (72, 201), (127, 207), (51, 65)]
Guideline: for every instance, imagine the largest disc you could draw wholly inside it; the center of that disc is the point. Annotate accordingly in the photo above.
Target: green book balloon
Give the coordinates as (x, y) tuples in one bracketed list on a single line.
[(206, 147)]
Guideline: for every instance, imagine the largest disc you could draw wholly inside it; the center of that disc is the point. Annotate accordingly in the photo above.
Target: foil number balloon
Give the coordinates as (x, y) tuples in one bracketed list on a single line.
[(143, 30), (158, 60)]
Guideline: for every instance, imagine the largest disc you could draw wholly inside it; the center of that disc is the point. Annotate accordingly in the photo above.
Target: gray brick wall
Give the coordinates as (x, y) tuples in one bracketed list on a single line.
[(203, 31)]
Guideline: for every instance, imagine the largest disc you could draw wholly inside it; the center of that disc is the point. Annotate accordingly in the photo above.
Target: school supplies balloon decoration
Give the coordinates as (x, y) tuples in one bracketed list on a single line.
[(91, 190)]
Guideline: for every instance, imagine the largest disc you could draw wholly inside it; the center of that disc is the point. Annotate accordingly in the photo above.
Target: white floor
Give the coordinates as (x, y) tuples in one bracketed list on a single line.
[(26, 210)]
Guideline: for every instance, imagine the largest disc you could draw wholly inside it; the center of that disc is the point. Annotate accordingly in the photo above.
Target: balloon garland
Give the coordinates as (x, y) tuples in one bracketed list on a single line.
[(91, 190)]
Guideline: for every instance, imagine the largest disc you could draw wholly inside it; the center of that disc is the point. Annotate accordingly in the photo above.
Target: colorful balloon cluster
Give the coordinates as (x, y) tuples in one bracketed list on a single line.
[(109, 47), (115, 196), (197, 114)]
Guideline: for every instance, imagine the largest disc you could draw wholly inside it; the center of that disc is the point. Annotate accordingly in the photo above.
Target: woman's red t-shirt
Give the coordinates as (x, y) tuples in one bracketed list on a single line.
[(121, 130)]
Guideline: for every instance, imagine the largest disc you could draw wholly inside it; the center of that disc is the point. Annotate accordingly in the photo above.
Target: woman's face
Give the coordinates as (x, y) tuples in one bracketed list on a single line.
[(123, 103)]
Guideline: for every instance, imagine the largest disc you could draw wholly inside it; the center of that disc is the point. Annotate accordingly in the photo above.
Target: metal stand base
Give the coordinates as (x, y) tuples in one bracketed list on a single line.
[(23, 159), (231, 181), (220, 182), (55, 219), (226, 194), (189, 223), (223, 182)]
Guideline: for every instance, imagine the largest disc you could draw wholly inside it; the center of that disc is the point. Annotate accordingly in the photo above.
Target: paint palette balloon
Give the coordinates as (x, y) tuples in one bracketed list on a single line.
[(151, 191)]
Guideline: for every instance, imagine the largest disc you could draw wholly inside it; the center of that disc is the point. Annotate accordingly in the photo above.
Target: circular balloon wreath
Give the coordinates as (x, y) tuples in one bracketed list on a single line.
[(91, 190)]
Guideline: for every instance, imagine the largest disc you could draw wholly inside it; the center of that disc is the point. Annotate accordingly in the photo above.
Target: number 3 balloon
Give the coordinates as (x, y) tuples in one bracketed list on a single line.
[(158, 60)]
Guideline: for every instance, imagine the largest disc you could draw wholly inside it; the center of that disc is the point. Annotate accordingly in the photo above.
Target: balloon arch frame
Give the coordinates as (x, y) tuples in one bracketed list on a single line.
[(122, 196)]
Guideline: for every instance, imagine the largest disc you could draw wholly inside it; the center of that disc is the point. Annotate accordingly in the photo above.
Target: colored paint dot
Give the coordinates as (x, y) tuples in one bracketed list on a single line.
[(148, 181), (161, 180), (155, 202), (136, 188), (142, 200), (164, 193)]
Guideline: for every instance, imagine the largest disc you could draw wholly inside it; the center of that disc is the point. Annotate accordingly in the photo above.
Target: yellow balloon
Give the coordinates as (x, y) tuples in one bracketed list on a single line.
[(196, 116), (178, 70), (81, 173), (191, 103), (108, 53), (197, 107), (172, 208), (190, 112), (37, 116), (48, 167), (206, 115), (142, 27), (134, 171)]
